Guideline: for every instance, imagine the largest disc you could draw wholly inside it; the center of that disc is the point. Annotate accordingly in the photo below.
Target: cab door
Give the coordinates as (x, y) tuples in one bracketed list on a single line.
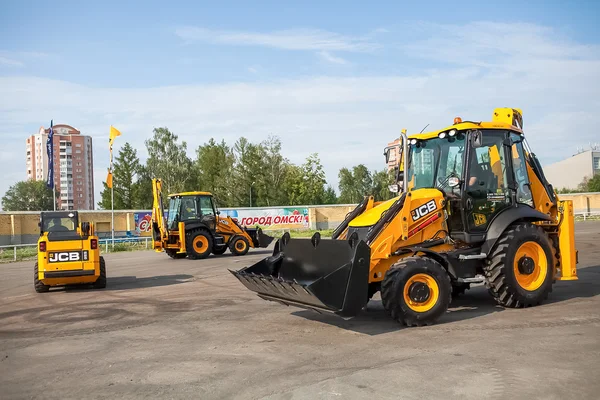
[(487, 185), (207, 212)]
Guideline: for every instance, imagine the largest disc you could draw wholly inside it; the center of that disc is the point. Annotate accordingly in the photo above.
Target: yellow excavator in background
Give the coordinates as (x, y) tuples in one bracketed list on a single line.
[(194, 228), (474, 207)]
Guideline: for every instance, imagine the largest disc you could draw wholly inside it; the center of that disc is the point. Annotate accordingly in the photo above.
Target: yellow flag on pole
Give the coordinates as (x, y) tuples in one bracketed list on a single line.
[(114, 132), (109, 179)]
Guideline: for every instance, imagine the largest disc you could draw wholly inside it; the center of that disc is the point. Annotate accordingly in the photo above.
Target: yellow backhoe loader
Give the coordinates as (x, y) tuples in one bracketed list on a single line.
[(194, 227), (474, 207), (68, 253)]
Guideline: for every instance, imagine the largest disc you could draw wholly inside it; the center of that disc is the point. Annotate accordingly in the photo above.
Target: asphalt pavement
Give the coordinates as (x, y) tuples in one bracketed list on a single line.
[(183, 329)]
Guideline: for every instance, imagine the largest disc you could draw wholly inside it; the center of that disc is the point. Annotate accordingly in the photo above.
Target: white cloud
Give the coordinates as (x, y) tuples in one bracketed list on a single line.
[(347, 120), (325, 55), (298, 39), (20, 58), (10, 62)]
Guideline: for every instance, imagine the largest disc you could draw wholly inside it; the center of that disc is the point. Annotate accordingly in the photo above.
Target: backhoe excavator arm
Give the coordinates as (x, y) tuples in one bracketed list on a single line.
[(159, 225)]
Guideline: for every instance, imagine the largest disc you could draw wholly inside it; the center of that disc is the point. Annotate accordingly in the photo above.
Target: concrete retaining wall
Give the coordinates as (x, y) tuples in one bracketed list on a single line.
[(22, 227)]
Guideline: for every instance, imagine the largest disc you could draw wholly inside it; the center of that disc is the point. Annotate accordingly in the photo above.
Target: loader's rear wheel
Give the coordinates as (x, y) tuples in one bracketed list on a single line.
[(239, 246), (219, 250), (199, 243), (101, 281), (37, 284), (175, 255), (520, 268), (416, 291)]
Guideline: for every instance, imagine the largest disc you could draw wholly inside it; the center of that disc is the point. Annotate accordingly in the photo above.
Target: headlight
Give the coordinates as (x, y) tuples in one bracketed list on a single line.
[(452, 132), (412, 141), (442, 135)]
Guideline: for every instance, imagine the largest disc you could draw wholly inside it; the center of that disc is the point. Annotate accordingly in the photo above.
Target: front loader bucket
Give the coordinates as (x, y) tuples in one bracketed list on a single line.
[(322, 275), (259, 239)]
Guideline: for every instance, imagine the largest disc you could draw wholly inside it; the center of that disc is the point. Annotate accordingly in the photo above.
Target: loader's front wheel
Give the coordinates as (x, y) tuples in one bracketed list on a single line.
[(520, 268), (199, 243), (239, 246), (37, 284), (416, 291)]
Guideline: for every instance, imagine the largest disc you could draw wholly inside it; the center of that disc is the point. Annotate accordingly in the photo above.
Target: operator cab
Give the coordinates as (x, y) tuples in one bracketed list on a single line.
[(59, 225), (191, 207), (480, 167)]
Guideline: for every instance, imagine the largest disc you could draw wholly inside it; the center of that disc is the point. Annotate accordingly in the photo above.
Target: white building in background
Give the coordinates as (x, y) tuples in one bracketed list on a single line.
[(73, 165), (569, 173)]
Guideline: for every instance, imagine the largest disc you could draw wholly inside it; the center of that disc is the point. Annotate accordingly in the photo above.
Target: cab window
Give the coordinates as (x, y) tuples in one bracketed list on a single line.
[(487, 185), (206, 205), (520, 169), (188, 209)]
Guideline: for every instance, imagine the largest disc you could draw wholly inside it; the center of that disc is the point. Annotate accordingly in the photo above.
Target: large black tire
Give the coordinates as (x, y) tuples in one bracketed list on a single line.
[(199, 243), (37, 284), (239, 246), (421, 277), (101, 281), (174, 254), (219, 250), (523, 253)]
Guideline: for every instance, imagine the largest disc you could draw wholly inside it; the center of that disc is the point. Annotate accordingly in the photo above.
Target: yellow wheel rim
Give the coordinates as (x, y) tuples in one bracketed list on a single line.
[(200, 244), (421, 292), (240, 245), (530, 266)]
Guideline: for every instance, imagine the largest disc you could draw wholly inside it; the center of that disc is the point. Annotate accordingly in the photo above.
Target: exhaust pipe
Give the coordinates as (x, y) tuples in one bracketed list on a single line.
[(321, 275)]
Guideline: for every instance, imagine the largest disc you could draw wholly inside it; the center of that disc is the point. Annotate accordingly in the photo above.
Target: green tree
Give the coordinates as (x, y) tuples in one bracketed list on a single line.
[(28, 195), (330, 196), (214, 165), (312, 189), (248, 174), (381, 182), (355, 184), (292, 185), (126, 168), (593, 184), (274, 167), (142, 190), (168, 160)]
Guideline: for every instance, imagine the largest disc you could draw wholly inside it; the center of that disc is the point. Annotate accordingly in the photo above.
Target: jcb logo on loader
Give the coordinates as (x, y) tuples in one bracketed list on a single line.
[(68, 256), (423, 210)]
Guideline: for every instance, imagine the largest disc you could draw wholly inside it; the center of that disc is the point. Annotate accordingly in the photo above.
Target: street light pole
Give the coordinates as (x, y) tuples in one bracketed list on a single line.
[(252, 184)]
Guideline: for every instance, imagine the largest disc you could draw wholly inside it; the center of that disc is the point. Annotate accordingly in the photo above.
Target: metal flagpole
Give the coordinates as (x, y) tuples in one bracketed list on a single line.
[(112, 206), (112, 200), (50, 152), (112, 135), (53, 170)]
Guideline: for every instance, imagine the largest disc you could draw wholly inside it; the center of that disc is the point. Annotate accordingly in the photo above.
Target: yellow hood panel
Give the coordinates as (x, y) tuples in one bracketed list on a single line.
[(371, 216)]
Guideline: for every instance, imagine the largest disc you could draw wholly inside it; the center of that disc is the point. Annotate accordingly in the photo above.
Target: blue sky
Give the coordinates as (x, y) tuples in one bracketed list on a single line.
[(339, 78)]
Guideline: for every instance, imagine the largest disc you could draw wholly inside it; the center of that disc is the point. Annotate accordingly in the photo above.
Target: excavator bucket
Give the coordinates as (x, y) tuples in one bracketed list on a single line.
[(259, 239), (322, 275)]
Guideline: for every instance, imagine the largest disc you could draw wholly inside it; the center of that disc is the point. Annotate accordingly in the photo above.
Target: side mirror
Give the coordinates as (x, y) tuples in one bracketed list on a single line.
[(386, 153), (477, 139), (218, 212)]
